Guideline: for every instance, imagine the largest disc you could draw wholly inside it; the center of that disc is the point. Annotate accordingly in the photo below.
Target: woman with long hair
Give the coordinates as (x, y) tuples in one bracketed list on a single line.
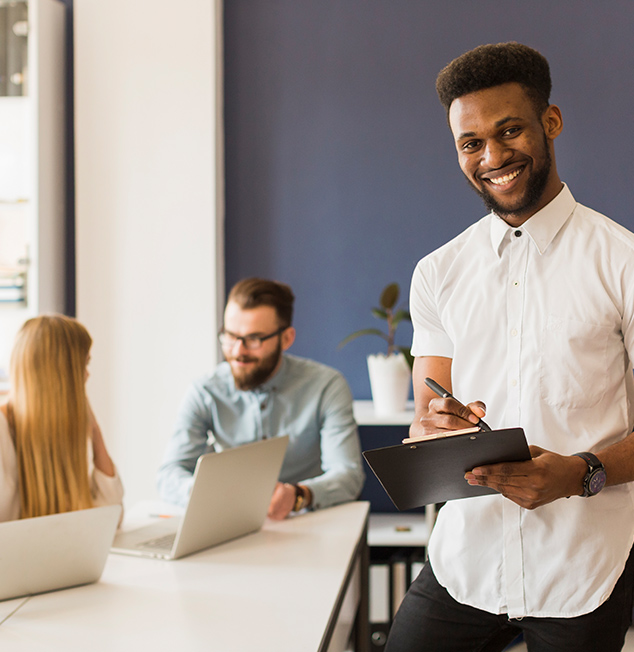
[(52, 454)]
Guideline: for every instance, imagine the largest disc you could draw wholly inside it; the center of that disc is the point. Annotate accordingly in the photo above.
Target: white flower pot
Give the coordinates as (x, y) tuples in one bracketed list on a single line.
[(390, 380)]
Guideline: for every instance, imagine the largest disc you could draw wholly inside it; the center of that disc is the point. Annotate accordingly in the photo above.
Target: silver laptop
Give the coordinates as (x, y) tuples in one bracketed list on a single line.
[(54, 552), (229, 498)]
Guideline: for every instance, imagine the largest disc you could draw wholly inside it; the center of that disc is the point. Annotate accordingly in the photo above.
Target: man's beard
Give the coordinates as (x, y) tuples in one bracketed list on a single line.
[(535, 187), (247, 379)]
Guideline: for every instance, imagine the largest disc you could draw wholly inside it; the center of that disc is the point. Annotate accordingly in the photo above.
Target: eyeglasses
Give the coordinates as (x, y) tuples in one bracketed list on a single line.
[(250, 342)]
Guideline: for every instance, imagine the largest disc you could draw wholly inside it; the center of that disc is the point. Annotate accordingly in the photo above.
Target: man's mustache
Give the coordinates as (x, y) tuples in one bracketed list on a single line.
[(245, 358)]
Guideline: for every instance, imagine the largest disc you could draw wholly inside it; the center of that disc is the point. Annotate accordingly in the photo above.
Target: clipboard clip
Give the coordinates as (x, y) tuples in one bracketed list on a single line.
[(442, 434)]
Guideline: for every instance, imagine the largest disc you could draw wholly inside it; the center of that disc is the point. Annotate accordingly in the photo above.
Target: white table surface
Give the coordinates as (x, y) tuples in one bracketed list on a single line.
[(8, 607), (273, 590)]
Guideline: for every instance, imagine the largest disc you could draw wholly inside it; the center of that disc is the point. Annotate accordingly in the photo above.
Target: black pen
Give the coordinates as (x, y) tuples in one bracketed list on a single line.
[(441, 391)]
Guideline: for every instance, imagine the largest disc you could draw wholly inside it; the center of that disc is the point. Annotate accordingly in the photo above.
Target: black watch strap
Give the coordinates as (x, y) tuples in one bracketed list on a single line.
[(595, 479)]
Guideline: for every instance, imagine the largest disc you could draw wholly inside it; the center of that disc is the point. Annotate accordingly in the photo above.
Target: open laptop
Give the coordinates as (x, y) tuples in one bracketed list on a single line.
[(229, 498), (46, 553)]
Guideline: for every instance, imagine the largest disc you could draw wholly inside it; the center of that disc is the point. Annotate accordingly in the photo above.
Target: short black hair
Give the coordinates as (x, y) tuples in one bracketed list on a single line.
[(253, 292), (492, 65)]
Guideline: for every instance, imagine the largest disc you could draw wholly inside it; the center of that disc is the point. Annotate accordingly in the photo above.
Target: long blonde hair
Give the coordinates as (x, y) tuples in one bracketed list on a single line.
[(48, 415)]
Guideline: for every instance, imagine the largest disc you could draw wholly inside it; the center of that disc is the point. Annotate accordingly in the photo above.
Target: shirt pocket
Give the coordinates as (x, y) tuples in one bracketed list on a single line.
[(573, 365)]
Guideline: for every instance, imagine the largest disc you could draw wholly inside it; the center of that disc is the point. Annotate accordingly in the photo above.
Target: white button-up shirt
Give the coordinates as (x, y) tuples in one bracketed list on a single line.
[(539, 323)]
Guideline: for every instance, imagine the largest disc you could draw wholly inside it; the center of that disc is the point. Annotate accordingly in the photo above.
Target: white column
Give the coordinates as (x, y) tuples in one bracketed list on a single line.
[(149, 214)]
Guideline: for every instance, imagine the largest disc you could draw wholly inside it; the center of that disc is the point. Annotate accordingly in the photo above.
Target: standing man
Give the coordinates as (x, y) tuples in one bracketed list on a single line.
[(530, 310), (261, 392)]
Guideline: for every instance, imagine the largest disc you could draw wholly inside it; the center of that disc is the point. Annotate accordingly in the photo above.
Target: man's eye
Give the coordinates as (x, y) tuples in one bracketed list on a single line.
[(512, 131), (251, 339), (471, 144)]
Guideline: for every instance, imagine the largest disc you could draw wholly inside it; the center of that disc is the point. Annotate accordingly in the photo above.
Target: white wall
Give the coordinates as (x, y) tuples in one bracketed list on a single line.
[(149, 214)]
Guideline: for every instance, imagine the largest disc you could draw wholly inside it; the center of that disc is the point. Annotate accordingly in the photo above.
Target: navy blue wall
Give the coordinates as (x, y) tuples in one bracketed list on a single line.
[(341, 172)]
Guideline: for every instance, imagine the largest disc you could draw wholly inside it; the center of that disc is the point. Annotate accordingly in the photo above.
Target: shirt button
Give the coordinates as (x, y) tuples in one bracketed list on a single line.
[(514, 383), (514, 332), (518, 234), (263, 405), (516, 283)]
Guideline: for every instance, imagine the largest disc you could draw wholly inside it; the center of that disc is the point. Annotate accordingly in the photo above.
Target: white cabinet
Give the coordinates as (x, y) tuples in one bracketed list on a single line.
[(32, 165)]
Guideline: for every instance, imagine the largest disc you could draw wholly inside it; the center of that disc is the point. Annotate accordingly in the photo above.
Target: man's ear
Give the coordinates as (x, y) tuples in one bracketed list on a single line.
[(552, 121), (288, 337)]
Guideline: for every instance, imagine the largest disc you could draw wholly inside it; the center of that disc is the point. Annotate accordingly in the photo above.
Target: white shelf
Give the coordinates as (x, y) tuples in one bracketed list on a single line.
[(33, 172), (365, 415), (396, 530)]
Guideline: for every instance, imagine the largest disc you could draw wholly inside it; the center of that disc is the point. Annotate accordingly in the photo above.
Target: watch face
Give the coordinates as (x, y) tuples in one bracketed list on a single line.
[(597, 482)]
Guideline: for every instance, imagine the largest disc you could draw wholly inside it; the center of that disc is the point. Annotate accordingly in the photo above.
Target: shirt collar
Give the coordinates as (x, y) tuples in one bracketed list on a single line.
[(541, 227)]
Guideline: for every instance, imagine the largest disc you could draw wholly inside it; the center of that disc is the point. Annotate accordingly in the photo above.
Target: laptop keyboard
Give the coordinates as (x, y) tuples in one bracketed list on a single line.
[(160, 543)]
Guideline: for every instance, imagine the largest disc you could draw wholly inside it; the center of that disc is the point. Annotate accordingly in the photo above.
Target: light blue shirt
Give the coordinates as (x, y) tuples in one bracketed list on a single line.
[(306, 400)]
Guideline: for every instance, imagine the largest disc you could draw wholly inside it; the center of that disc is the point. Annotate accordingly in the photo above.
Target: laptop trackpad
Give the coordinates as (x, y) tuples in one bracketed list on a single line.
[(144, 537)]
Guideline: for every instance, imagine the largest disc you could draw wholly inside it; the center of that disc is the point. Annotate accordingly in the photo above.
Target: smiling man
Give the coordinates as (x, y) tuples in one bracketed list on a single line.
[(260, 392), (528, 317)]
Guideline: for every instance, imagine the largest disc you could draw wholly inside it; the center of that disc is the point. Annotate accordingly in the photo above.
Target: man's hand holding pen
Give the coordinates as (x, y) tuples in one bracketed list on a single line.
[(447, 413), (450, 414)]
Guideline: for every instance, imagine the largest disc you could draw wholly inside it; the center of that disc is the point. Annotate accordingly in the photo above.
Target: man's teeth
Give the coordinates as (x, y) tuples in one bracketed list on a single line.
[(500, 181)]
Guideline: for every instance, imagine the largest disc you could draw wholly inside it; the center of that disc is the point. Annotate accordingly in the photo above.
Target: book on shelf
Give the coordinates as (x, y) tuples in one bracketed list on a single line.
[(12, 294), (380, 592), (399, 568), (12, 284), (16, 280)]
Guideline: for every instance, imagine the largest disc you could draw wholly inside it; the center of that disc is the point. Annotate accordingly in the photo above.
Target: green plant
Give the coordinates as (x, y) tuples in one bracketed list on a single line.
[(394, 316)]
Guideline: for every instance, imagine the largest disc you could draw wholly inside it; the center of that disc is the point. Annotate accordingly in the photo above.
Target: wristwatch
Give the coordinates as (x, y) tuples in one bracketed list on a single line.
[(300, 499), (595, 479)]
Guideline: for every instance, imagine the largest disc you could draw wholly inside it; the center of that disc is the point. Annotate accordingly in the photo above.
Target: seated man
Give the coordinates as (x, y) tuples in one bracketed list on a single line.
[(261, 392)]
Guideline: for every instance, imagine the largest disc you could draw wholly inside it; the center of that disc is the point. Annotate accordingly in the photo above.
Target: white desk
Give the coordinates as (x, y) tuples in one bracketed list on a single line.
[(297, 585), (8, 608)]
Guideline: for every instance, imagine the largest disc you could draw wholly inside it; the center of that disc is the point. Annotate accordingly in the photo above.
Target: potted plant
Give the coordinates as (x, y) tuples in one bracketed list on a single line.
[(390, 373)]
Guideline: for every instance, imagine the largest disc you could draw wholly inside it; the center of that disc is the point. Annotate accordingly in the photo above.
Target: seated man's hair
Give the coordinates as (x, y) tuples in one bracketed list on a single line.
[(254, 292), (492, 65)]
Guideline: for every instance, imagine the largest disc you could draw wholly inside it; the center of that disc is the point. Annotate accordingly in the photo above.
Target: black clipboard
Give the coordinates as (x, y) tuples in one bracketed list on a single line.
[(431, 470)]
